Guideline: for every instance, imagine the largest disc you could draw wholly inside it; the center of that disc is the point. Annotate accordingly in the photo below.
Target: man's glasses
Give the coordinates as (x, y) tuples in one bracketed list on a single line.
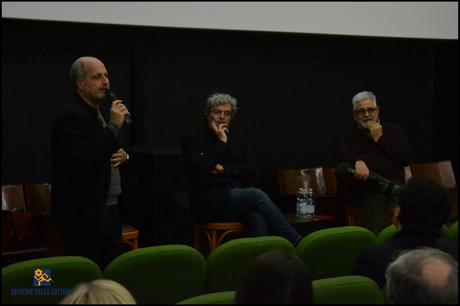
[(362, 111), (219, 112)]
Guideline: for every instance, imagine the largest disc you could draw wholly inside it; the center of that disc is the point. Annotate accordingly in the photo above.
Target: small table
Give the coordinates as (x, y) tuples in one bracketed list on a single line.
[(304, 226)]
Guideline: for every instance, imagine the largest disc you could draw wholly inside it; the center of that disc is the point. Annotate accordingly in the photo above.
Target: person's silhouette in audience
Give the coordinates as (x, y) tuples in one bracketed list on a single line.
[(423, 276), (423, 207), (101, 291), (275, 277)]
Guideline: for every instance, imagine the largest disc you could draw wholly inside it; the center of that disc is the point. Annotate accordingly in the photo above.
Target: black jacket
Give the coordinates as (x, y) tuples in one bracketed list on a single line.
[(81, 150), (202, 150), (373, 261), (386, 157)]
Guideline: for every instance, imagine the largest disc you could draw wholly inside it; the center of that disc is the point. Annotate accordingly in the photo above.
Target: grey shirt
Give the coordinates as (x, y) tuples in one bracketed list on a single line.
[(115, 179)]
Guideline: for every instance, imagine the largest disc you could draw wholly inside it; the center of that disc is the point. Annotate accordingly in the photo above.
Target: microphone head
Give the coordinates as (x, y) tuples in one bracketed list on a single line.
[(351, 171), (395, 191), (110, 95)]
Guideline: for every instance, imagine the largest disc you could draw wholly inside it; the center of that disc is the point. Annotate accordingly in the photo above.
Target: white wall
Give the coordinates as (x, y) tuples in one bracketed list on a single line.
[(386, 19)]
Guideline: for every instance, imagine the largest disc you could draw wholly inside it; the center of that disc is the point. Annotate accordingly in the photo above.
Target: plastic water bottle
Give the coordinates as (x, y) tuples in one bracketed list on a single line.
[(301, 204), (310, 203)]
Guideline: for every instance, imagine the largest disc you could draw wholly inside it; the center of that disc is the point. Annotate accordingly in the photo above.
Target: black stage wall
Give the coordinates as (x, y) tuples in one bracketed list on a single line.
[(294, 90)]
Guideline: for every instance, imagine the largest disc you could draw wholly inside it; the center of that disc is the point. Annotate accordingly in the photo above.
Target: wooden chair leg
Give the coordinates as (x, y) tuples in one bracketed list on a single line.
[(213, 243), (197, 237)]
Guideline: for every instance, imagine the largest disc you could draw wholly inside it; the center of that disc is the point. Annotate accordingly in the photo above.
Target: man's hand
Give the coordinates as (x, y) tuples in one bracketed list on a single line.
[(218, 169), (361, 170), (118, 157), (375, 130), (118, 111), (220, 130)]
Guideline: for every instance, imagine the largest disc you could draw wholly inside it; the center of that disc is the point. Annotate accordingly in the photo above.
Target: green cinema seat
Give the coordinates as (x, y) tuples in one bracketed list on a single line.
[(227, 263), (332, 252), (452, 234), (350, 289), (164, 274), (222, 297), (63, 274), (387, 233)]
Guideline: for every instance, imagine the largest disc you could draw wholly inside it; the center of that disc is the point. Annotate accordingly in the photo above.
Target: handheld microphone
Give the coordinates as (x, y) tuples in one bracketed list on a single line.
[(383, 184), (112, 97)]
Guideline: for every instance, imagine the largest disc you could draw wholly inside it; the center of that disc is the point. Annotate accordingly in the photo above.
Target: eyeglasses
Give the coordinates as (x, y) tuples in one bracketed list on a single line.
[(219, 112), (362, 111)]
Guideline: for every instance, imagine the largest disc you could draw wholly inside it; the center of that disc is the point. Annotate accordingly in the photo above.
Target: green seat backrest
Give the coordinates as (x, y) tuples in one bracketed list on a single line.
[(350, 289), (387, 233), (163, 274), (227, 263), (65, 273), (222, 297), (333, 251), (453, 232)]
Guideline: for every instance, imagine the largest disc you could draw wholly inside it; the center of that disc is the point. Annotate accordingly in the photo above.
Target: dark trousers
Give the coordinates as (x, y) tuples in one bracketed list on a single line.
[(254, 208), (376, 206), (100, 247)]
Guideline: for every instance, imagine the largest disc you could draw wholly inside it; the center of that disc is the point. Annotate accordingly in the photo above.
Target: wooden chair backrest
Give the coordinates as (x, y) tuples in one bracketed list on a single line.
[(441, 172), (38, 197), (13, 198), (322, 180)]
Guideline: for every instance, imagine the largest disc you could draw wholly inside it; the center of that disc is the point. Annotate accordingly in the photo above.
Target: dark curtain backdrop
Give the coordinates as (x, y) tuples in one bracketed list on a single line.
[(294, 90)]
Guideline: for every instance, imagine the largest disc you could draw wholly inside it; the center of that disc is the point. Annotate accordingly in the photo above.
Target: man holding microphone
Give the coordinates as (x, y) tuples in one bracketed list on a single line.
[(86, 155), (371, 149)]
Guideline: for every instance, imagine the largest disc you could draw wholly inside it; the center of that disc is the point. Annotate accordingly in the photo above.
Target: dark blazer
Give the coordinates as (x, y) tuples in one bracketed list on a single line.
[(387, 156), (202, 150), (81, 150), (373, 261)]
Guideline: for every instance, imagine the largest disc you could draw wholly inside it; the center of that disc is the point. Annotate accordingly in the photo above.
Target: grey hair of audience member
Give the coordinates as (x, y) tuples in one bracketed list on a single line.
[(100, 291), (363, 95), (407, 284), (217, 99)]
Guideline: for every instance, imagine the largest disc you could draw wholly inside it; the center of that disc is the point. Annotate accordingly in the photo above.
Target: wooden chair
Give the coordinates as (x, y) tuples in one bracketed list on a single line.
[(38, 197), (442, 173), (130, 236), (216, 232), (13, 198), (38, 201), (22, 232)]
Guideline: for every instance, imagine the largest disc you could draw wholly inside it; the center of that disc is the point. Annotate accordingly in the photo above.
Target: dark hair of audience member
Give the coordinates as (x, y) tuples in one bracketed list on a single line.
[(275, 277), (425, 206)]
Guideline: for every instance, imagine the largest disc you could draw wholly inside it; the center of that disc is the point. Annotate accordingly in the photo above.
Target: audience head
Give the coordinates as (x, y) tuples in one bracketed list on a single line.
[(275, 277), (218, 99), (101, 291), (423, 206), (423, 276)]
